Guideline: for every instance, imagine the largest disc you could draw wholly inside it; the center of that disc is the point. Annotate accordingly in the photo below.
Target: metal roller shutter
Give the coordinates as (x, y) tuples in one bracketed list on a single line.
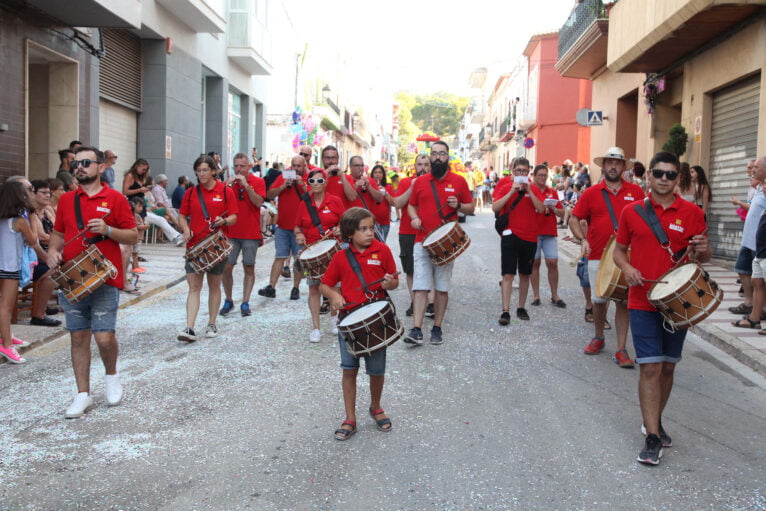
[(120, 70), (118, 128), (732, 144)]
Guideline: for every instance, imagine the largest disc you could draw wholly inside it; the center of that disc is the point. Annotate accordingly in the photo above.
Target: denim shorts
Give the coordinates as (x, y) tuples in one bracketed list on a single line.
[(96, 312), (215, 270), (285, 244), (744, 264), (248, 249), (547, 245), (651, 341), (582, 272), (374, 363), (427, 275)]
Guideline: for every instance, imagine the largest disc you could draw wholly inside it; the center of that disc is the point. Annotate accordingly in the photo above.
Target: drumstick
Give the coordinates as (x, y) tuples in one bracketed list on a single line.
[(655, 281), (369, 285), (83, 231)]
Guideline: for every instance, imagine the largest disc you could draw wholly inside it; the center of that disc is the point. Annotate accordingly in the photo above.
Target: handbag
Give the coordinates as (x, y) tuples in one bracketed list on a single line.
[(501, 220)]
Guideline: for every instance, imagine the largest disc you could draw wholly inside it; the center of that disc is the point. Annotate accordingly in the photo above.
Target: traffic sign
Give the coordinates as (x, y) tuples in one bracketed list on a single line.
[(595, 118)]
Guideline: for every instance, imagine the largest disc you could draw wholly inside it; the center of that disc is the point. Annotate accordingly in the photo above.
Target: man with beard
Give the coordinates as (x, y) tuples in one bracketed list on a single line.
[(600, 206), (109, 221), (427, 212), (657, 350), (339, 184)]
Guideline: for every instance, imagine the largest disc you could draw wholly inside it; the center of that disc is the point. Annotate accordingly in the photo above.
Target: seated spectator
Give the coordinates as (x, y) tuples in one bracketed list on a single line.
[(57, 190), (178, 193), (41, 221)]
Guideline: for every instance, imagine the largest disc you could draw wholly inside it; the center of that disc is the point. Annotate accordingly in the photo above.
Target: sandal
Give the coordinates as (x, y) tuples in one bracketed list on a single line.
[(536, 301), (761, 332), (589, 315), (133, 291), (755, 325), (607, 325), (381, 422), (741, 309), (345, 434)]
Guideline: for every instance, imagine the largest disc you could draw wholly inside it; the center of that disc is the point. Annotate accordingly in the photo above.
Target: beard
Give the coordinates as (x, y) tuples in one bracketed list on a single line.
[(86, 179), (439, 168), (615, 179)]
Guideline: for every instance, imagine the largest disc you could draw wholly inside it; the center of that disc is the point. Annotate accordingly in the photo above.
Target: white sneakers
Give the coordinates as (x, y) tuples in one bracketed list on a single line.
[(81, 404), (211, 331), (334, 324), (315, 335)]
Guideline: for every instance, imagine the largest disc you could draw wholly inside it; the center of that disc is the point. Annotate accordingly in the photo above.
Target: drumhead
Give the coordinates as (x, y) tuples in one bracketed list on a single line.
[(363, 313), (675, 279), (439, 233), (317, 249)]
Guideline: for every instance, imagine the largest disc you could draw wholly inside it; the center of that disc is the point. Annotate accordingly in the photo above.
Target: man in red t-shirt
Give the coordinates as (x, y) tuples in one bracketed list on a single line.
[(245, 236), (287, 189), (109, 221), (592, 207), (427, 214), (339, 184), (307, 152), (547, 245), (518, 241), (367, 194), (657, 350)]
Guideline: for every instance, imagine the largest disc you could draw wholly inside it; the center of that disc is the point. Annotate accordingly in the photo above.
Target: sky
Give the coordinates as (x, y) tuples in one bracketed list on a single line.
[(425, 46)]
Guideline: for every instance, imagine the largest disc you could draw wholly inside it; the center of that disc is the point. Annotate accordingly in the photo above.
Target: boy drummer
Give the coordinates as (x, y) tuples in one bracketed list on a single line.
[(376, 262)]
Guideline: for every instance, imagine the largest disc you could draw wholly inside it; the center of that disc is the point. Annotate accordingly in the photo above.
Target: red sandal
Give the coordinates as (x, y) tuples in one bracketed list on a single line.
[(381, 422), (345, 434)]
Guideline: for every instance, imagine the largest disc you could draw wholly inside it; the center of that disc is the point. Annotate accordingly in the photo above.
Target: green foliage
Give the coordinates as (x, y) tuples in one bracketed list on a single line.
[(439, 113), (678, 138)]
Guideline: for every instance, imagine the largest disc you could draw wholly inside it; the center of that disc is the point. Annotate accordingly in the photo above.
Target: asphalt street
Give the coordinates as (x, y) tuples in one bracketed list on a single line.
[(512, 417)]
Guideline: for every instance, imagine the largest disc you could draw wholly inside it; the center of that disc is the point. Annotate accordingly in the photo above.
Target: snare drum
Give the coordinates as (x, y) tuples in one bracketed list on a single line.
[(315, 258), (610, 282), (209, 252), (370, 327), (79, 277), (687, 297), (445, 243)]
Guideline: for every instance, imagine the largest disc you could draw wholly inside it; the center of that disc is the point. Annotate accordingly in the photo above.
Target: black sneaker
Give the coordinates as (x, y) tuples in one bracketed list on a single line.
[(536, 302), (227, 306), (652, 451), (286, 272), (408, 312), (52, 311), (436, 335), (268, 292), (187, 335), (521, 313), (295, 294), (44, 321), (415, 336), (666, 440), (505, 318), (430, 311)]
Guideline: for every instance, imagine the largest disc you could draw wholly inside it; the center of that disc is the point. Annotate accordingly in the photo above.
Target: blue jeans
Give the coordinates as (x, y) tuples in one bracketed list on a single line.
[(654, 344), (96, 312), (285, 244), (374, 363)]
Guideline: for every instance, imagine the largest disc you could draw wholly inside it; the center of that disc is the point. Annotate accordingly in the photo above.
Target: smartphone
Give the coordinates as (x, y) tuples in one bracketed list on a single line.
[(288, 174), (521, 179)]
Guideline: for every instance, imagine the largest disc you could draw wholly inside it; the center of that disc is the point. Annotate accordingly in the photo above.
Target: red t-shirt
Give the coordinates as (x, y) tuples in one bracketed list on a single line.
[(335, 187), (405, 223), (375, 262), (364, 200), (288, 201), (382, 210), (220, 201), (248, 226), (522, 221), (546, 225), (105, 201), (680, 221), (591, 207), (422, 199), (329, 213)]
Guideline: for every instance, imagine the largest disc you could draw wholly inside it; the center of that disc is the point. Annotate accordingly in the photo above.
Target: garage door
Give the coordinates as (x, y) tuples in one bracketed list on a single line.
[(733, 143), (118, 133)]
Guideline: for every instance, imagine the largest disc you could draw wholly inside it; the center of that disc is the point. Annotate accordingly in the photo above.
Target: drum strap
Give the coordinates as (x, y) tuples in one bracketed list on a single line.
[(610, 208), (81, 225), (202, 204), (439, 205), (313, 213), (647, 213), (354, 263)]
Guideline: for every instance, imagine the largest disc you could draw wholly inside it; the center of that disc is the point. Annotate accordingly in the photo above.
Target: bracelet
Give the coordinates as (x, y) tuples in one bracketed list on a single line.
[(108, 231)]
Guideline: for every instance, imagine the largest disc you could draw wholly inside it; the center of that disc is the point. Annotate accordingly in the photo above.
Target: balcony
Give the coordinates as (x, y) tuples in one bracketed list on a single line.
[(583, 41), (249, 43), (507, 130), (93, 13), (202, 16), (650, 35)]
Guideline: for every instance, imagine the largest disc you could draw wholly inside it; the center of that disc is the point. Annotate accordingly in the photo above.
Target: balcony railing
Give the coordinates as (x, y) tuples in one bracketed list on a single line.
[(582, 17)]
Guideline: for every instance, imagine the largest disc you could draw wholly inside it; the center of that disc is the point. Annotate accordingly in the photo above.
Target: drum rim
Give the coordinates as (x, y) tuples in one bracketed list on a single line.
[(384, 304), (451, 226)]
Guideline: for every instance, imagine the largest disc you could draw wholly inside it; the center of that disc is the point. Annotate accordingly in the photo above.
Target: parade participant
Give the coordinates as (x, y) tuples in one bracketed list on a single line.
[(406, 231), (338, 183), (109, 221), (547, 244), (206, 207), (307, 152), (603, 217), (288, 193), (436, 198), (15, 230), (318, 215), (367, 196), (245, 236), (382, 210), (376, 264), (518, 242), (657, 350)]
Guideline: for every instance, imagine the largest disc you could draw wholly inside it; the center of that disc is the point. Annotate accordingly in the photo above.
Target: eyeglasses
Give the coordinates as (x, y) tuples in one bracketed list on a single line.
[(44, 192), (439, 153), (670, 174), (357, 165), (305, 155), (83, 163), (316, 180), (31, 189)]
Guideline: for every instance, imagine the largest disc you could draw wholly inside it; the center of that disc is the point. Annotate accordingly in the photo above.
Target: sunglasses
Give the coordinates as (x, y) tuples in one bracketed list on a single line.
[(316, 180), (83, 163), (670, 174), (305, 154), (241, 194)]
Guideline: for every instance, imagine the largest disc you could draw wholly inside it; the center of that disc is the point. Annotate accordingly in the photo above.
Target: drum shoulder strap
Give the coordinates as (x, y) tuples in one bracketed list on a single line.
[(610, 208), (313, 213), (352, 261), (202, 202), (649, 216), (81, 225), (439, 205)]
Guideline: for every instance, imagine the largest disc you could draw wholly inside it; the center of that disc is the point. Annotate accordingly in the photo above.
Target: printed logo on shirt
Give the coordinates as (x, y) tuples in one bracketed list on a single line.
[(103, 209), (326, 210), (676, 226), (374, 256), (374, 262), (449, 189), (217, 198), (629, 197)]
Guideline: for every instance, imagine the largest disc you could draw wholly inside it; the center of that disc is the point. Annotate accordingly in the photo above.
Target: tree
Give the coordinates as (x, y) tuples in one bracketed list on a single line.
[(676, 144), (408, 131), (440, 113)]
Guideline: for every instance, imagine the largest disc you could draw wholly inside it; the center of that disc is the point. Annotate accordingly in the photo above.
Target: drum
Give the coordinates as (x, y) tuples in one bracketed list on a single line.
[(370, 327), (315, 258), (685, 295), (209, 252), (79, 277), (445, 243), (610, 282)]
